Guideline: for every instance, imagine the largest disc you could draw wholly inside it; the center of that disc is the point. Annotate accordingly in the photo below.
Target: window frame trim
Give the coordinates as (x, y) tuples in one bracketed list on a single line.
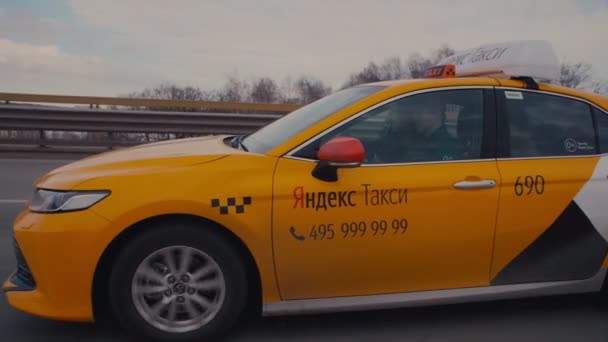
[(597, 127), (489, 140), (484, 91), (503, 129)]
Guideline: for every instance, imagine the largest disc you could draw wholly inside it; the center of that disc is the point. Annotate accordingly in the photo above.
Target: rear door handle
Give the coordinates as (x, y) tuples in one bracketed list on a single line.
[(480, 184)]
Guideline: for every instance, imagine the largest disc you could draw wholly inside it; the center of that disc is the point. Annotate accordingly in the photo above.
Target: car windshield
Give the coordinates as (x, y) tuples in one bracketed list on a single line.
[(279, 131)]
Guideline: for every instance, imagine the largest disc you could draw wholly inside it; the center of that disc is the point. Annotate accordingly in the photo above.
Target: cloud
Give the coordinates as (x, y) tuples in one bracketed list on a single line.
[(48, 69), (197, 40), (116, 46), (22, 25), (47, 59)]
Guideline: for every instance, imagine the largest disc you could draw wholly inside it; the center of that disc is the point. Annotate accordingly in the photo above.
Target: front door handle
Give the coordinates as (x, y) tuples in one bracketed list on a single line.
[(480, 184)]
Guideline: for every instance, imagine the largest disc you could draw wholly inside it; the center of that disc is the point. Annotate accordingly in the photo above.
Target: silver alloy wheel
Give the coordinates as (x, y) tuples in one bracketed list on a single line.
[(178, 289)]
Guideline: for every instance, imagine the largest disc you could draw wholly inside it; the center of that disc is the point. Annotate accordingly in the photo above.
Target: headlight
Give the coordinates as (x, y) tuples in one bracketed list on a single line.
[(49, 201)]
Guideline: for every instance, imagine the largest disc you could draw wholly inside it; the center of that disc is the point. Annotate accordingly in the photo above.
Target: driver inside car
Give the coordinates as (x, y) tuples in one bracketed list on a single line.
[(417, 133)]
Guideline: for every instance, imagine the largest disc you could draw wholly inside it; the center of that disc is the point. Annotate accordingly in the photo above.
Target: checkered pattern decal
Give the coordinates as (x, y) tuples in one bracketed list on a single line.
[(231, 202)]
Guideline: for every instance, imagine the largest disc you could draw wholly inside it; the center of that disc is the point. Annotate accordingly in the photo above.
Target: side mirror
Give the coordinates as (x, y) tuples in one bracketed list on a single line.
[(339, 152)]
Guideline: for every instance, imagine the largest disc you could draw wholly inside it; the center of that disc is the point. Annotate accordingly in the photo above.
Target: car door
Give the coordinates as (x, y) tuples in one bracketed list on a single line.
[(418, 214), (553, 179)]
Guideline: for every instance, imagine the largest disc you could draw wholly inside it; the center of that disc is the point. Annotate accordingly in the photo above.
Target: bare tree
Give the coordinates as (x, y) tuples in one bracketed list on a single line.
[(443, 52), (575, 75), (234, 90), (370, 73), (303, 90), (289, 91), (168, 91), (392, 68), (310, 89), (599, 87), (265, 90), (165, 91), (417, 64)]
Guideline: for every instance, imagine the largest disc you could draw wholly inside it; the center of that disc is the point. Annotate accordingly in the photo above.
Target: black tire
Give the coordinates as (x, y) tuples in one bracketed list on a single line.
[(211, 242)]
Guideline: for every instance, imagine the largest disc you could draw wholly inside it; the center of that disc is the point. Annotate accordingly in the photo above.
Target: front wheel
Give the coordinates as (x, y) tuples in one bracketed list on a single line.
[(178, 282)]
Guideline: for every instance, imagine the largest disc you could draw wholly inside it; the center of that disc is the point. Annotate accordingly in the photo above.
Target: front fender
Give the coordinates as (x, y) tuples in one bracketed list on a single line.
[(242, 205)]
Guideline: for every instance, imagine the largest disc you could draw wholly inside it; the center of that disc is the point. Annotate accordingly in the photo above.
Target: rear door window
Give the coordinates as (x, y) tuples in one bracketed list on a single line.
[(543, 125)]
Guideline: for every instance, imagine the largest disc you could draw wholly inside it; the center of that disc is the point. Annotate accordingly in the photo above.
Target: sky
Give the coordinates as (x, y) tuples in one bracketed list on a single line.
[(114, 47)]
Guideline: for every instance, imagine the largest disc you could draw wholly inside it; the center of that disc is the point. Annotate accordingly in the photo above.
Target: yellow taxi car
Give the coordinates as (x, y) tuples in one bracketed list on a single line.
[(481, 181)]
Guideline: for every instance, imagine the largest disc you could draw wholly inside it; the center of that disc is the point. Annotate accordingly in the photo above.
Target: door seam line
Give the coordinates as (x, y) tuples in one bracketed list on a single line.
[(500, 186)]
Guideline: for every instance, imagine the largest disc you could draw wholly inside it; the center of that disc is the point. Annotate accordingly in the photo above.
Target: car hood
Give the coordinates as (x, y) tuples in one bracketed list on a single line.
[(141, 158)]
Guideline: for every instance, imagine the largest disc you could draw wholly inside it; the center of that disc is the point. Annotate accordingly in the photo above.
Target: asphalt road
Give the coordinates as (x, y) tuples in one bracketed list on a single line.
[(567, 318)]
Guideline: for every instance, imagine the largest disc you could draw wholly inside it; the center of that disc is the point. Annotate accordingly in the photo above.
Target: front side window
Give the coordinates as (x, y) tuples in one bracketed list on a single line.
[(542, 125), (429, 127), (285, 128)]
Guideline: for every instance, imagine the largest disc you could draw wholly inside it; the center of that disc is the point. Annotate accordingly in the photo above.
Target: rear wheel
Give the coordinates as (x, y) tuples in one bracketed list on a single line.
[(178, 282)]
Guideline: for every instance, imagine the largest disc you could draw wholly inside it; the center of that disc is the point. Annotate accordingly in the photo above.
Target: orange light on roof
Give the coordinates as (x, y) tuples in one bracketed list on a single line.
[(441, 71)]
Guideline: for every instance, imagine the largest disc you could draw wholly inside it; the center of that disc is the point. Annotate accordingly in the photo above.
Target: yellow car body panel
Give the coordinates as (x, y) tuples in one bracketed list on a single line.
[(398, 213), (136, 160), (523, 218), (63, 251), (191, 183), (191, 192)]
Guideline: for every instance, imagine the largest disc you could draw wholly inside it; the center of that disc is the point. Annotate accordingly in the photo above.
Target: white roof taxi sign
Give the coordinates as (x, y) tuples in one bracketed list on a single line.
[(524, 58)]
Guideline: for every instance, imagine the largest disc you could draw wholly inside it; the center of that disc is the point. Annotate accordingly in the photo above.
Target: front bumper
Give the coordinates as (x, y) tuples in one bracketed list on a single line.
[(57, 255), (22, 279)]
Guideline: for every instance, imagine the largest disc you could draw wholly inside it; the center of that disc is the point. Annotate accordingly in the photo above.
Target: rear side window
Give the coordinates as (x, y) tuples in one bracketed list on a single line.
[(542, 125), (601, 119)]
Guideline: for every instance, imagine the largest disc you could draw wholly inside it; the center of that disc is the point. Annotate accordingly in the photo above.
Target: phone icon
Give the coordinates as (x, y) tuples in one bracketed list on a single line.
[(292, 230)]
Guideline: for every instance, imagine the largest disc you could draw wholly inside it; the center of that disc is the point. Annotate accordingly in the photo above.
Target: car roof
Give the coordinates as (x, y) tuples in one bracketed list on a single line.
[(598, 99)]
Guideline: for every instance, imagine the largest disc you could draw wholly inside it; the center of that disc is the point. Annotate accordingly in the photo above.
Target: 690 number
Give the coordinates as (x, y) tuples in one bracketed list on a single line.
[(530, 184)]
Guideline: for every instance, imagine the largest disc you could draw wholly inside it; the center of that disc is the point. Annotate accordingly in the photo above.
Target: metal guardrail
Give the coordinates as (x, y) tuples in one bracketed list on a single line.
[(121, 127), (96, 101), (128, 121), (46, 126), (30, 121)]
